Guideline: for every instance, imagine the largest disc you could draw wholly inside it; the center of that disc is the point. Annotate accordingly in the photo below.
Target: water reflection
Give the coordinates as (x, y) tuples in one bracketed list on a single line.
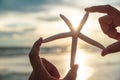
[(84, 71), (92, 66)]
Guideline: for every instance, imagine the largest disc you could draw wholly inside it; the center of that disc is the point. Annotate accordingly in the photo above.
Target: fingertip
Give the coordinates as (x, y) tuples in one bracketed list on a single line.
[(40, 39), (87, 9), (75, 66), (60, 15), (38, 42), (104, 53)]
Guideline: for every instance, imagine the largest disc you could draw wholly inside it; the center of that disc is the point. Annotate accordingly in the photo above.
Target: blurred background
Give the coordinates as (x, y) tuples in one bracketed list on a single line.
[(22, 22)]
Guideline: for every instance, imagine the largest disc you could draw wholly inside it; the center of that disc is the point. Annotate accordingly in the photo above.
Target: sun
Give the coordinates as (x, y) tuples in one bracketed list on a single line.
[(75, 20)]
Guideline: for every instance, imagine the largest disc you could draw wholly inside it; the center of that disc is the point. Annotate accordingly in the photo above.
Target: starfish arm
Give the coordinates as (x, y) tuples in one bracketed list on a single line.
[(67, 22), (90, 41), (57, 36), (83, 21), (73, 50)]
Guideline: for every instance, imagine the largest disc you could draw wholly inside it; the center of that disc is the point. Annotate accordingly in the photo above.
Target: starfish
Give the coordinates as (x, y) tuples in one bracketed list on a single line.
[(75, 34)]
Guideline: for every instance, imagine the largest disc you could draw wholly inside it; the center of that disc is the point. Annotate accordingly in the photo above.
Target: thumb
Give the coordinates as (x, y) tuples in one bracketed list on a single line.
[(72, 74), (115, 47), (74, 68)]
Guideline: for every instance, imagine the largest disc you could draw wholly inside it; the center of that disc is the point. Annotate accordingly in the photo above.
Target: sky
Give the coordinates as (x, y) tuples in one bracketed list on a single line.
[(22, 22)]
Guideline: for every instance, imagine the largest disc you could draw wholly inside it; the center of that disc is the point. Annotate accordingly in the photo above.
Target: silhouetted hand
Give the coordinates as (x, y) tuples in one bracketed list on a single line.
[(108, 24), (43, 69), (115, 47)]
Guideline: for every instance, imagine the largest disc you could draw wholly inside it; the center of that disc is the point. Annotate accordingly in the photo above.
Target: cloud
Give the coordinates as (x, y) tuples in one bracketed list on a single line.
[(33, 5), (9, 33), (47, 18), (20, 27), (25, 5), (25, 18), (27, 30), (41, 5), (18, 24), (15, 31)]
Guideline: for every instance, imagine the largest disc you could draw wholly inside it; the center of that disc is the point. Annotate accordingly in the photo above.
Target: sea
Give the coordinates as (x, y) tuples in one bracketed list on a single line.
[(15, 65)]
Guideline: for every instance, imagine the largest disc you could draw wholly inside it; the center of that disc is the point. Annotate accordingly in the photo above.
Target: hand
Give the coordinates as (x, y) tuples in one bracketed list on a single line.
[(115, 47), (108, 24), (110, 21), (43, 69)]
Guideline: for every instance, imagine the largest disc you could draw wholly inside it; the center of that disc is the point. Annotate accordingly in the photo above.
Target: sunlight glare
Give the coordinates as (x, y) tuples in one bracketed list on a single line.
[(75, 20), (84, 71), (89, 25)]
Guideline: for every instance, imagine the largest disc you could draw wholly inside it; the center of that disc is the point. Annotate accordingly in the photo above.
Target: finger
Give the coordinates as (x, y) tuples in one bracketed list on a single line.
[(108, 27), (34, 54), (37, 45), (51, 68), (103, 9), (115, 47), (72, 74), (37, 64), (74, 68)]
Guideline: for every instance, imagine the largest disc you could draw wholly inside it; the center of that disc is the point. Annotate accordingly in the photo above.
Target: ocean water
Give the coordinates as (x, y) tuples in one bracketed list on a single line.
[(14, 63)]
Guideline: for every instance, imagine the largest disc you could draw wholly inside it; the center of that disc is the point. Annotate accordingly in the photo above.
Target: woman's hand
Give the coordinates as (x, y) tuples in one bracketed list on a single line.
[(43, 69), (108, 23)]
